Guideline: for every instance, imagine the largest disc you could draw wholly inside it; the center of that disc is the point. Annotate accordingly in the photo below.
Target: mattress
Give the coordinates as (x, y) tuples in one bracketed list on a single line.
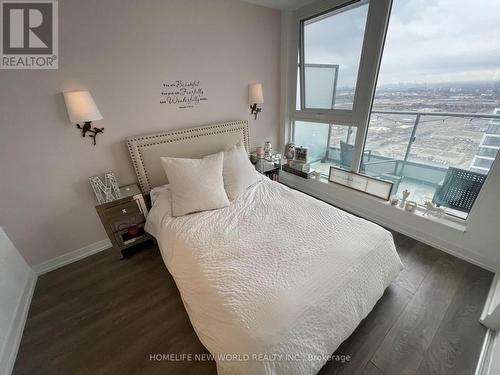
[(276, 281)]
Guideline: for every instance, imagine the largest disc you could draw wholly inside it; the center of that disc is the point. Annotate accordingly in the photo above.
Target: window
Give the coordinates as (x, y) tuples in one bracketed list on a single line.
[(434, 107), (435, 104), (332, 44), (491, 140), (321, 85), (489, 152), (328, 144), (335, 42)]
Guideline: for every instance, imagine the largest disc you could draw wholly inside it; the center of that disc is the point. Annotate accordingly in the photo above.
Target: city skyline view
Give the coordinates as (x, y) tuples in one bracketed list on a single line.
[(437, 91)]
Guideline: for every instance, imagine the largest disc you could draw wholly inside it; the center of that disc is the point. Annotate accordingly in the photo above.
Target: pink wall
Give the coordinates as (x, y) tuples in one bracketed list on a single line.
[(122, 51)]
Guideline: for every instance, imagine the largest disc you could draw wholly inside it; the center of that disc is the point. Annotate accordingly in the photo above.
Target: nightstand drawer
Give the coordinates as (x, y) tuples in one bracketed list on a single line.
[(119, 216), (122, 210)]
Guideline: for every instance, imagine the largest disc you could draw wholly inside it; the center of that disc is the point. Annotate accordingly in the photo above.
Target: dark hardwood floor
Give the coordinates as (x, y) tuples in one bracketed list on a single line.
[(102, 315)]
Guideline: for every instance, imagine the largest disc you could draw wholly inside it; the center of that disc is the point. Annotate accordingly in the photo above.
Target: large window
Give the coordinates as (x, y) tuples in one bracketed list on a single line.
[(335, 43), (434, 125), (436, 98), (332, 44), (328, 144)]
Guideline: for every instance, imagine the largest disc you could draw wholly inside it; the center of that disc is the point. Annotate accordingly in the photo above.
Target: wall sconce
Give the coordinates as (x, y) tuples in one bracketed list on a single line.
[(82, 108), (255, 98)]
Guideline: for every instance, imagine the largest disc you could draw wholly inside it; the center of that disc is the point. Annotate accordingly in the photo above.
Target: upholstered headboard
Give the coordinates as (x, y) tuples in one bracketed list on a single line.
[(146, 150)]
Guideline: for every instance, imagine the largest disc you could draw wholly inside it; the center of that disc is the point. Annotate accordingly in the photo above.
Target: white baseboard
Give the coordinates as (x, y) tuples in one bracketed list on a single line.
[(490, 316), (489, 359), (71, 257), (8, 357)]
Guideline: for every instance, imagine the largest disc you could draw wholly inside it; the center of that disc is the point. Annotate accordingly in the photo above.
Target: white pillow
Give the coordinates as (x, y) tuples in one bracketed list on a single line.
[(238, 171), (161, 211), (155, 192), (196, 184)]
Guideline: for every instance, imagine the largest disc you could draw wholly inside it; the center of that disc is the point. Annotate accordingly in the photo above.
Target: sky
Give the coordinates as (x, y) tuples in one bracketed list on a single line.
[(428, 41), (337, 40)]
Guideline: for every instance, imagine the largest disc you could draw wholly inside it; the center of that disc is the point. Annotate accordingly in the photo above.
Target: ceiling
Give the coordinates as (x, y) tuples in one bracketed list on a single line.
[(279, 4)]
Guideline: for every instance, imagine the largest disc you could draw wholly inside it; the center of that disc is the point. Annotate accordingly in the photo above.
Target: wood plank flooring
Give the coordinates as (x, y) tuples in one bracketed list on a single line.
[(101, 315)]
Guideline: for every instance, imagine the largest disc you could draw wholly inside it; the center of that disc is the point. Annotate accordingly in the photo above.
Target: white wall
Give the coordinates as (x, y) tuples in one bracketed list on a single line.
[(17, 281), (122, 51)]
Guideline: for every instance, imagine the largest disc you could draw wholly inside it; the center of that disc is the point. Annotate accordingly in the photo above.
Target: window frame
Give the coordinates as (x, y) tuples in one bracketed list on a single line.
[(375, 33), (371, 53), (344, 6), (349, 131)]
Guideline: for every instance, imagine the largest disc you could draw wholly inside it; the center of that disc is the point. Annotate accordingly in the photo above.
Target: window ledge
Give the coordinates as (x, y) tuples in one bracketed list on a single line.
[(457, 224), (365, 205)]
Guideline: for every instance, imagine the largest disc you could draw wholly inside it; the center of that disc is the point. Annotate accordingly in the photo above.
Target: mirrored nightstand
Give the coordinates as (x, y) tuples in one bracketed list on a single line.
[(124, 218), (269, 166)]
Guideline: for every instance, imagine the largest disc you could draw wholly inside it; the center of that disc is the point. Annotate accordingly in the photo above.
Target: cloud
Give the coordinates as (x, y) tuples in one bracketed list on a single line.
[(441, 41), (338, 40), (427, 41)]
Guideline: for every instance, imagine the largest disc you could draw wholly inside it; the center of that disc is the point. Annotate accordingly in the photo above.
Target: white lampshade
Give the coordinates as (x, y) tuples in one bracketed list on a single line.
[(81, 106), (255, 93)]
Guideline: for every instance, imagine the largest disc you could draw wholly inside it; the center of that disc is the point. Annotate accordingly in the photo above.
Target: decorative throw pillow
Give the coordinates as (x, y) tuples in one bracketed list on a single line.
[(161, 210), (196, 184), (238, 171), (155, 192)]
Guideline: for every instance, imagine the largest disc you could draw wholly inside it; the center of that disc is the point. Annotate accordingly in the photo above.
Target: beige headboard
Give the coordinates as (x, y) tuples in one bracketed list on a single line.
[(146, 150)]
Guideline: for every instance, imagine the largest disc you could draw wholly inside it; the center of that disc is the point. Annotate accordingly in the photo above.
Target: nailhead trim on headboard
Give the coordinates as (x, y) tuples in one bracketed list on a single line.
[(137, 144)]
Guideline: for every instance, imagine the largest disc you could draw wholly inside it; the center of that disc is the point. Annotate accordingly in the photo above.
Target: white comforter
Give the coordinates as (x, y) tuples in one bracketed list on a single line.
[(276, 281)]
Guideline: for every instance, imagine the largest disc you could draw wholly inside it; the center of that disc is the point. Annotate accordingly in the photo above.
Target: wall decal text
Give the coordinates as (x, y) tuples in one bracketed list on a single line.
[(182, 94)]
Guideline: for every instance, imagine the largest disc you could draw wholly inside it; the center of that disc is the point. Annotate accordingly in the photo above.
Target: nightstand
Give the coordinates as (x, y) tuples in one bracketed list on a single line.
[(269, 169), (119, 215)]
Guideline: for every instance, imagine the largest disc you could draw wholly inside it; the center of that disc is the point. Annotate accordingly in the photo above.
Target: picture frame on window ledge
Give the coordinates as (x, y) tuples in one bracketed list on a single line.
[(301, 154), (365, 184)]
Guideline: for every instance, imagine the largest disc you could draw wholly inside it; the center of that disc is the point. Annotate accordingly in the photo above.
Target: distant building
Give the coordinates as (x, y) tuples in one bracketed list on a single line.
[(488, 148)]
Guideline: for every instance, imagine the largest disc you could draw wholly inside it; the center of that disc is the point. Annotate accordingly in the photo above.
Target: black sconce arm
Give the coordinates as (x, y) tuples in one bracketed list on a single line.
[(87, 128), (255, 110)]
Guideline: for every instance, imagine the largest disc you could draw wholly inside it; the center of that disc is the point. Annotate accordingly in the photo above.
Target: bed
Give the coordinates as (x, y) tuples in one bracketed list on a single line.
[(274, 282)]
